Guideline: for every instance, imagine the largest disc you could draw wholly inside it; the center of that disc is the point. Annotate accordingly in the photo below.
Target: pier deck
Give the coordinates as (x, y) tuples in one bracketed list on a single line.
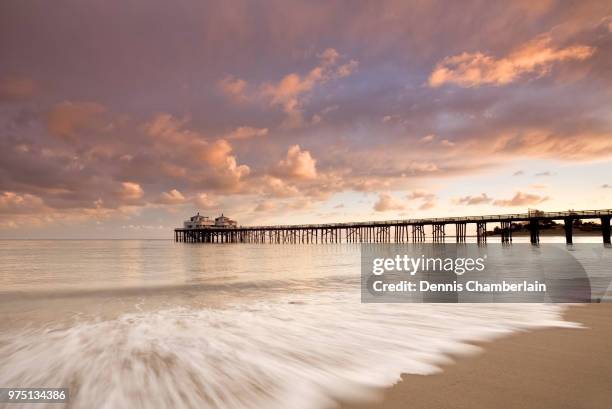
[(403, 230)]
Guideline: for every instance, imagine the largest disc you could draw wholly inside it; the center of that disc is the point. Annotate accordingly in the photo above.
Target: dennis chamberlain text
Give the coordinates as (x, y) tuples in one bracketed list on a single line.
[(469, 286)]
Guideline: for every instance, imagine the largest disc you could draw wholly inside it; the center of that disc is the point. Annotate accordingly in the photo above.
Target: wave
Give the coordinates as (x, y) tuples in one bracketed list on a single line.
[(303, 351)]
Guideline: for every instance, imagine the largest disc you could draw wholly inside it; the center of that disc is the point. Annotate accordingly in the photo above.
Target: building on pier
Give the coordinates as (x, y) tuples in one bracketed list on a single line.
[(198, 222), (223, 221), (204, 222)]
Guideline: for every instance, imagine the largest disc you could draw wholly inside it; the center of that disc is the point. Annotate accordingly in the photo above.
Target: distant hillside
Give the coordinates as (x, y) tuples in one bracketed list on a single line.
[(552, 228)]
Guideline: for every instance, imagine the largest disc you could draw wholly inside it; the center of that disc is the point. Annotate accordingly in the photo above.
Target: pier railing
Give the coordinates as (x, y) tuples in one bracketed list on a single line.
[(581, 214)]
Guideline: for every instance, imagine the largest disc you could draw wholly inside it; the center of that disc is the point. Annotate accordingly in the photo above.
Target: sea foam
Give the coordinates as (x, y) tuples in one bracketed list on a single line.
[(302, 352)]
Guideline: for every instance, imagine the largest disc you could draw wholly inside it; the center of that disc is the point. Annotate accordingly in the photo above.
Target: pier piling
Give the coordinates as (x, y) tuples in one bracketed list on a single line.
[(605, 229), (567, 225), (506, 231), (437, 232), (460, 232), (534, 230), (481, 232)]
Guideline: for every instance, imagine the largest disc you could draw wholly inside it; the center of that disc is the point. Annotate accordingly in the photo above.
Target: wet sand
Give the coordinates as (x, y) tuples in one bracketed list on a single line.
[(543, 369)]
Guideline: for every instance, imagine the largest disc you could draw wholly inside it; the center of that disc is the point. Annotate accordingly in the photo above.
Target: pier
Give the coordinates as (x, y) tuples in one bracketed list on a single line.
[(395, 231)]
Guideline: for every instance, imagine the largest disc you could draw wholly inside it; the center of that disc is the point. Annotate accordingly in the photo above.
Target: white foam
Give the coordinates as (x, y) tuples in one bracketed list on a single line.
[(300, 353)]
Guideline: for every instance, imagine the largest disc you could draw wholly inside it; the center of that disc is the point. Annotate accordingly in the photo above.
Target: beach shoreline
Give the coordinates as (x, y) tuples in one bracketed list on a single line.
[(550, 368)]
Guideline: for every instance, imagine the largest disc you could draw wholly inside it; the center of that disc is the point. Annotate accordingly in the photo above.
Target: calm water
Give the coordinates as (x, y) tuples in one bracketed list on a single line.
[(158, 324)]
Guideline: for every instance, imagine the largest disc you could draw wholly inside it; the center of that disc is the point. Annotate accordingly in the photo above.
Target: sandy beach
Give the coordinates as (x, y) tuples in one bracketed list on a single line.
[(549, 368)]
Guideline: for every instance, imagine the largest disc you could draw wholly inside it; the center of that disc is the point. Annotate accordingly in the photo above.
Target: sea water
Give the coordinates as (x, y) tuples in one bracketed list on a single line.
[(158, 324)]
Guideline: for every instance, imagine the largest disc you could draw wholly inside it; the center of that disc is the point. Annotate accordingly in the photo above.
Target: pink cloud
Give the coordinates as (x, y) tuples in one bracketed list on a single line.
[(265, 206), (172, 197), (276, 187), (420, 194), (247, 132), (233, 87), (428, 199), (68, 118), (427, 138), (580, 146), (521, 199), (205, 201), (387, 202), (289, 92), (130, 191), (474, 200), (15, 203), (16, 87), (534, 57), (190, 148), (298, 164), (429, 204)]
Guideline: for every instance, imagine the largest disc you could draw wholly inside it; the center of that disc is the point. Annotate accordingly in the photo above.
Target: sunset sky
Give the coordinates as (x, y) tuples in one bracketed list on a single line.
[(123, 118)]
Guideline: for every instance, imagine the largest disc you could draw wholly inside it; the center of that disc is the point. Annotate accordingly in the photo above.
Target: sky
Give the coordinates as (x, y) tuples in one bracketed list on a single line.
[(120, 119)]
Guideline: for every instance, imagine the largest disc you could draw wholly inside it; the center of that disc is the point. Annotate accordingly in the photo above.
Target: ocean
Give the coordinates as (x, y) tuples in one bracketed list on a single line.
[(159, 324)]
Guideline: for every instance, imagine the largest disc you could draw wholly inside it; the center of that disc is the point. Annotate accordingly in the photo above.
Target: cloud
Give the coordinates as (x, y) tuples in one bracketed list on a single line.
[(66, 119), (276, 187), (247, 132), (233, 87), (205, 201), (130, 191), (288, 93), (170, 128), (104, 173), (387, 202), (143, 227), (420, 194), (216, 153), (265, 206), (391, 119), (16, 203), (581, 146), (473, 200), (282, 206), (518, 173), (522, 199), (14, 88), (427, 138), (428, 204), (428, 199), (300, 204), (172, 197), (189, 148), (227, 170), (606, 186), (298, 164), (534, 57)]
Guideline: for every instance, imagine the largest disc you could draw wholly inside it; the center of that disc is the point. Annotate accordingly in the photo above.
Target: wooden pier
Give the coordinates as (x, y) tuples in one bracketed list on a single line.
[(393, 231)]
